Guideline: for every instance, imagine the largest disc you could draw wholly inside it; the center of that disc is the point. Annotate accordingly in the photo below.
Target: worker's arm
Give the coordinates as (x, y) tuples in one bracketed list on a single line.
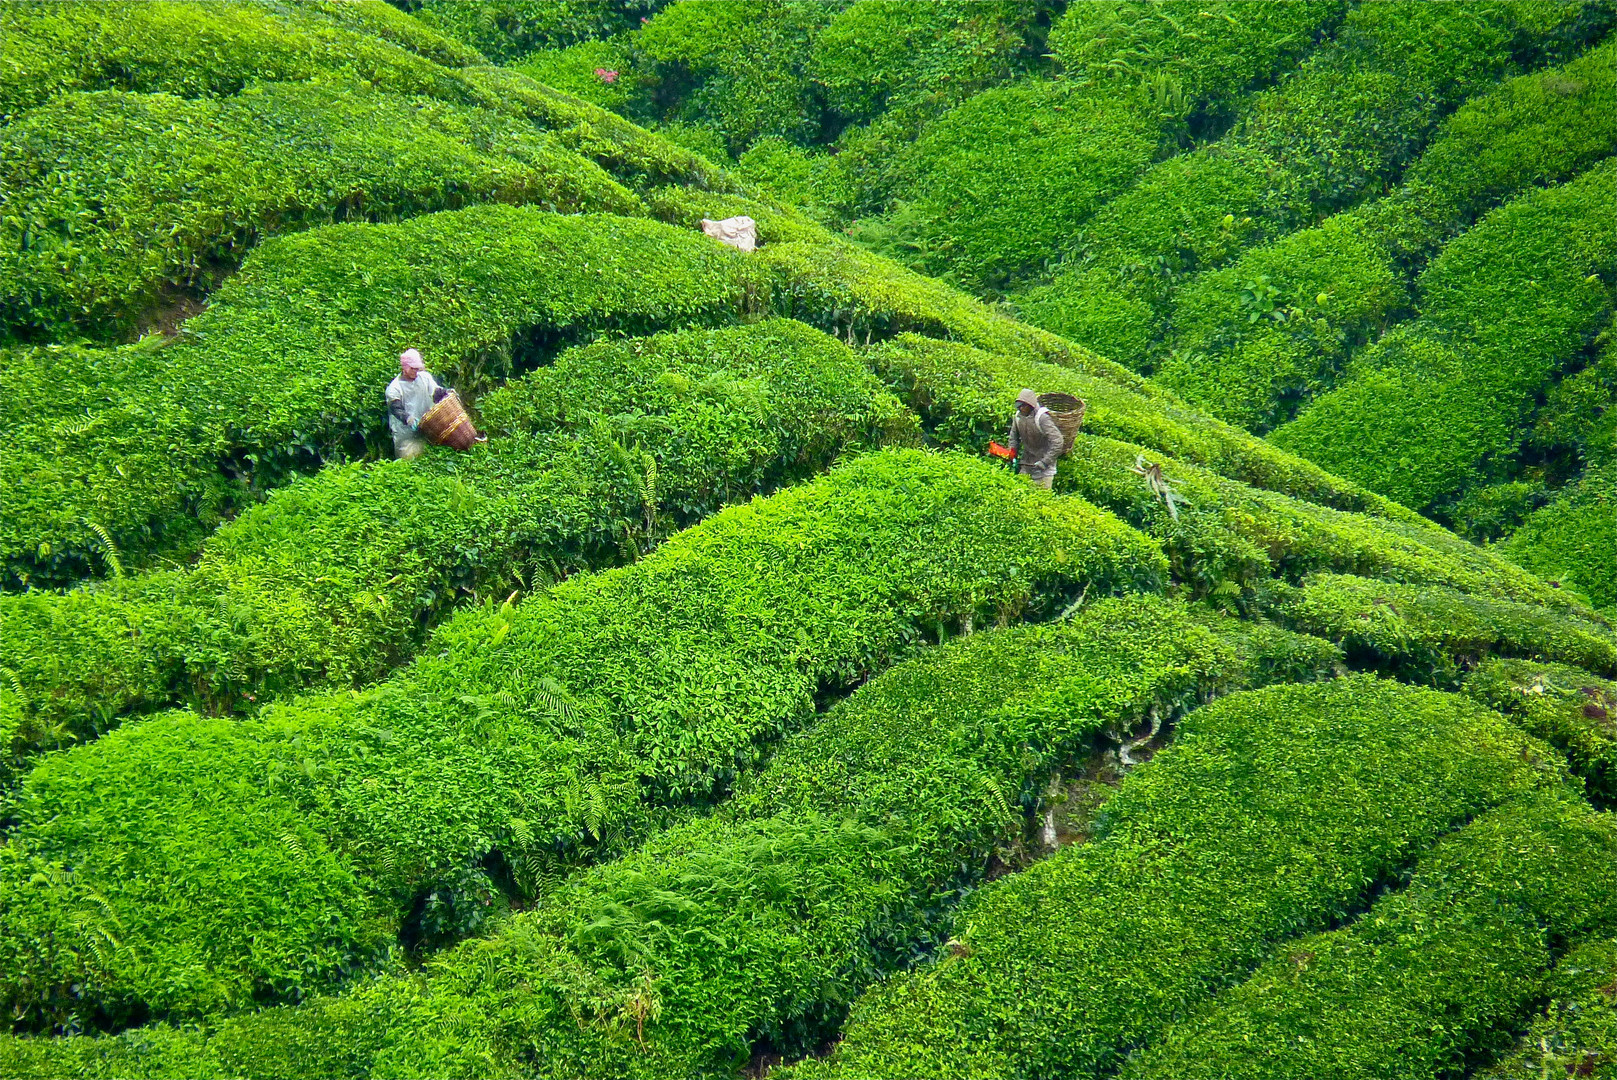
[(397, 409), (1053, 440), (1012, 439), (438, 394)]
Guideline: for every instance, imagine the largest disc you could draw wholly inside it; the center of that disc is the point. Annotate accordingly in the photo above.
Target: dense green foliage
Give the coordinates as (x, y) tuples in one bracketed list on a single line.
[(334, 578), (1439, 407), (1253, 339), (1431, 634), (539, 731), (505, 30), (285, 369), (1565, 706), (1577, 1032), (690, 726), (1573, 540), (767, 917), (114, 201), (1356, 112), (1275, 812), (1431, 978), (994, 187)]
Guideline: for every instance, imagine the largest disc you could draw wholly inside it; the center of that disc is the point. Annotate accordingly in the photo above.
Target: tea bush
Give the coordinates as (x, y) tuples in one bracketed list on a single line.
[(546, 732), (780, 913), (1565, 706), (115, 201), (1573, 540), (1438, 408), (1223, 534), (1433, 634), (210, 50), (1254, 339), (286, 369), (962, 395), (507, 30), (1578, 1027), (1432, 977), (1352, 117), (334, 578), (1275, 812), (878, 56), (1003, 180), (738, 68)]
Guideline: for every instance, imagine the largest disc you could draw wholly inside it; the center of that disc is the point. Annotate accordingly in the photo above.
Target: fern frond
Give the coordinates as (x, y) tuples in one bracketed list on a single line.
[(109, 550)]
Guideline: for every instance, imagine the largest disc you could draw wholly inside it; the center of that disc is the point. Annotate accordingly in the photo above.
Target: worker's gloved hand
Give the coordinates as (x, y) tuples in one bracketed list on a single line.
[(399, 412), (439, 394)]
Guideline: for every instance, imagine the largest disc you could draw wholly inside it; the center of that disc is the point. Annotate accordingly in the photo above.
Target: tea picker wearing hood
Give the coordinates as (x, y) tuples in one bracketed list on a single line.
[(409, 396), (1035, 438)]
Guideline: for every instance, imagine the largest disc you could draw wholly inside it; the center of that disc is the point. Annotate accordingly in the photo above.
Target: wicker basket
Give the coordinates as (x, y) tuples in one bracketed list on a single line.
[(446, 424), (1068, 413)]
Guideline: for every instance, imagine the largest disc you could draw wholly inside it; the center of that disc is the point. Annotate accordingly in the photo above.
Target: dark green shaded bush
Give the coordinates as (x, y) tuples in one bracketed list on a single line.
[(1274, 813), (286, 369), (1432, 634), (507, 30), (882, 55), (335, 578), (1430, 979), (1565, 706), (997, 186), (1577, 1031), (114, 201), (1573, 540), (1441, 406), (738, 67), (547, 732), (573, 71)]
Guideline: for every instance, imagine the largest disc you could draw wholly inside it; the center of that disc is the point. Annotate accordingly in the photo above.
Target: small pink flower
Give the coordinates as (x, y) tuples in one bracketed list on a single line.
[(606, 75)]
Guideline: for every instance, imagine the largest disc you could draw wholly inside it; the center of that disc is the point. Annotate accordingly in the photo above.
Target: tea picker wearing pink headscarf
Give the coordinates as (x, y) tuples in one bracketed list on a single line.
[(408, 398)]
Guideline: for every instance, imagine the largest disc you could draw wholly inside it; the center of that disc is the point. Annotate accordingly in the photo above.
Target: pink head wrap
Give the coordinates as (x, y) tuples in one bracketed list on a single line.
[(410, 362)]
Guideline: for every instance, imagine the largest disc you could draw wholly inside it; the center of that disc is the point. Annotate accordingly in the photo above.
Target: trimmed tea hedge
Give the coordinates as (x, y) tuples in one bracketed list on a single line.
[(1565, 706), (1573, 540), (1432, 634), (1252, 340), (1431, 978), (759, 924), (544, 732), (1222, 533), (335, 578), (1440, 407), (286, 369), (197, 50), (116, 201), (963, 395), (999, 184), (1351, 118), (1577, 1032), (1274, 813)]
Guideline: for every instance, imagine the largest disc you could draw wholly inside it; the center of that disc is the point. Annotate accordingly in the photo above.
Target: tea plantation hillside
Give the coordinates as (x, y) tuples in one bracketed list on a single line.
[(730, 712)]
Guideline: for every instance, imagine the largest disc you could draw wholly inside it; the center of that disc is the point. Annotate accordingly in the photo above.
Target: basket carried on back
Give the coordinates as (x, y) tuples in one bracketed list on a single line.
[(446, 424), (1068, 413)]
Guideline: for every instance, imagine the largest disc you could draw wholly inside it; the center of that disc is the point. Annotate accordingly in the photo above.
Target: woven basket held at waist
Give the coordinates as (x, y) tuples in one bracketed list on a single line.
[(1068, 413), (446, 424)]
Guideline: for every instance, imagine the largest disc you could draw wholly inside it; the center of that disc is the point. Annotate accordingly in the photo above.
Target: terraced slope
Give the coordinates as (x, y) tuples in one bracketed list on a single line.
[(729, 712)]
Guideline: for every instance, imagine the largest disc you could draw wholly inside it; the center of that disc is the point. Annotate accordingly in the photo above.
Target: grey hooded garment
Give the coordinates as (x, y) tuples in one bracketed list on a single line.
[(1035, 438)]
